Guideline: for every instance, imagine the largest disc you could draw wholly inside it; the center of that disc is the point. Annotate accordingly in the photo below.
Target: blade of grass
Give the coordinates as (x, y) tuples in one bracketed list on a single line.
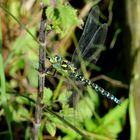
[(133, 122), (3, 88)]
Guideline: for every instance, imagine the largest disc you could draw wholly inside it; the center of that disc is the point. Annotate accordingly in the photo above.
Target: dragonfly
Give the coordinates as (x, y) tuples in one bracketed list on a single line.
[(90, 47)]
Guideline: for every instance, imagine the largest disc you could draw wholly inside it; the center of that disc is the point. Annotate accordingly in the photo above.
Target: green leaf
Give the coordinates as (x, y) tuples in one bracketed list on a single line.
[(21, 114), (85, 108), (51, 128), (63, 17), (47, 96), (64, 96), (117, 113), (32, 75), (19, 64), (14, 8), (90, 125), (68, 17), (113, 120), (27, 133)]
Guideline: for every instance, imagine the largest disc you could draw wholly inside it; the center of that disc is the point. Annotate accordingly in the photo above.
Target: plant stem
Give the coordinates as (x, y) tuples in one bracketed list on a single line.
[(41, 77)]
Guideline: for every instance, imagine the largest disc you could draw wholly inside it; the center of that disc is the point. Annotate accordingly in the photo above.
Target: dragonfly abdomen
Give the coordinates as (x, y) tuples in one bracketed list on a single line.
[(105, 93), (97, 88)]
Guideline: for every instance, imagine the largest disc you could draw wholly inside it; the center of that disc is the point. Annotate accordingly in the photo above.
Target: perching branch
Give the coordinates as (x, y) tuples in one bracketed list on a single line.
[(41, 70)]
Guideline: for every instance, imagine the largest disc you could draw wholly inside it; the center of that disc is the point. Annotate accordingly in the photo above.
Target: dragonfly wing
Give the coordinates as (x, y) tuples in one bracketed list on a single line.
[(88, 32), (95, 46)]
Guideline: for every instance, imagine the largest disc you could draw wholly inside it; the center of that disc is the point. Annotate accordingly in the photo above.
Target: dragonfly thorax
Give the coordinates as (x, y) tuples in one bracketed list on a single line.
[(64, 64)]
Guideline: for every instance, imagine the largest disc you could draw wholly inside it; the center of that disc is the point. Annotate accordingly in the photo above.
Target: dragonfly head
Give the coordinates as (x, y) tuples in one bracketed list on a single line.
[(56, 59)]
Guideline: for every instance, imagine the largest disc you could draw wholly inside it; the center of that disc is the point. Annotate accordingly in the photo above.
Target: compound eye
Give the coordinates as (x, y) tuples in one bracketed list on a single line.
[(57, 58)]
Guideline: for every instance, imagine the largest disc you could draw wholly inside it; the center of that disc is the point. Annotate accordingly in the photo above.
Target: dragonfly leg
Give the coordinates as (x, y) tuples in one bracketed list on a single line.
[(50, 71)]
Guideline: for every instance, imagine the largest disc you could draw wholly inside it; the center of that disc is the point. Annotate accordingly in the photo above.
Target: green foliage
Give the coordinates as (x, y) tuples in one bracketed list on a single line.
[(132, 118), (47, 96), (62, 17), (14, 7), (51, 128)]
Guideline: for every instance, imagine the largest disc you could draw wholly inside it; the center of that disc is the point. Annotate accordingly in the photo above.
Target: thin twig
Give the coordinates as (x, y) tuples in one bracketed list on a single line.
[(115, 83), (41, 77)]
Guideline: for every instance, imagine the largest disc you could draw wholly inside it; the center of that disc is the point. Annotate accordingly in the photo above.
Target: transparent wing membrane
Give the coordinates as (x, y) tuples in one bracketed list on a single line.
[(92, 39), (90, 28), (95, 46)]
